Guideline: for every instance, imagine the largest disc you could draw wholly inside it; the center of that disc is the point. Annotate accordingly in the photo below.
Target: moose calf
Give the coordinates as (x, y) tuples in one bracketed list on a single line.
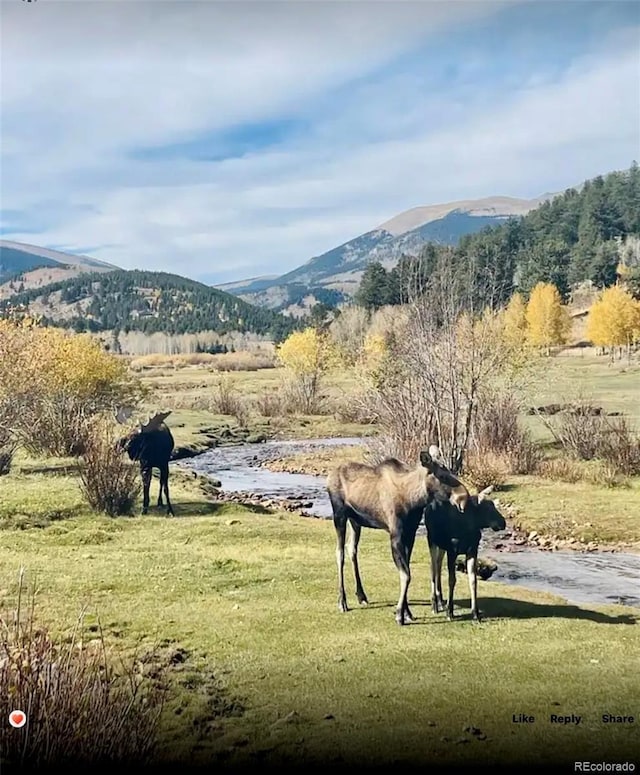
[(452, 533)]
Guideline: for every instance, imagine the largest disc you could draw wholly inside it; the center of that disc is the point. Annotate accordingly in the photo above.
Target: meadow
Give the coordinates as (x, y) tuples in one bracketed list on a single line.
[(241, 605)]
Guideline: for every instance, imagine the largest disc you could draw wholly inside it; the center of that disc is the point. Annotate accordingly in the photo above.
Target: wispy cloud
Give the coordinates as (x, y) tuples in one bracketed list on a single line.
[(225, 139)]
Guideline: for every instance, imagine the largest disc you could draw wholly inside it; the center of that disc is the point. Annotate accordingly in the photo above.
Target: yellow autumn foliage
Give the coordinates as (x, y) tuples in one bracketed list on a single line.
[(375, 359), (514, 319), (53, 380), (614, 319), (306, 356), (548, 321), (307, 352), (374, 350)]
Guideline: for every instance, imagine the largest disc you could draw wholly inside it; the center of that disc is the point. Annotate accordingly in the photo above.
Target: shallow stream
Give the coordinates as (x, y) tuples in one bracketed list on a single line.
[(579, 577)]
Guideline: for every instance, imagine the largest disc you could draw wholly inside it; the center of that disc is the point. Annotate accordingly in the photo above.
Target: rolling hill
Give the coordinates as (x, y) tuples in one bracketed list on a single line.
[(149, 302), (339, 270), (25, 266)]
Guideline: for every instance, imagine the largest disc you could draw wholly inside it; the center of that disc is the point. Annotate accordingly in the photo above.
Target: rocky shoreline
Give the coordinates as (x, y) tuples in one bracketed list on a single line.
[(515, 538)]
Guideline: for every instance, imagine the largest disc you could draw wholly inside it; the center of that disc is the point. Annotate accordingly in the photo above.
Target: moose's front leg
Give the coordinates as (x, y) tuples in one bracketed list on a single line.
[(341, 531), (146, 486), (472, 561), (451, 565)]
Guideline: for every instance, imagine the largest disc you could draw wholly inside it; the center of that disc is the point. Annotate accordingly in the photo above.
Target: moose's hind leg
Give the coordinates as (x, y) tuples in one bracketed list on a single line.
[(451, 565), (401, 558), (340, 524), (164, 484), (354, 542)]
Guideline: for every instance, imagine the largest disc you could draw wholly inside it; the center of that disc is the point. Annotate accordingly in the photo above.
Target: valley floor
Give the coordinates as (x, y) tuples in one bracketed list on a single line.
[(269, 671)]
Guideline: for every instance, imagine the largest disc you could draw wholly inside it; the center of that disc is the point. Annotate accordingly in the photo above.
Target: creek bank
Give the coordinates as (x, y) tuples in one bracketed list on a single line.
[(216, 436), (562, 566), (515, 538)]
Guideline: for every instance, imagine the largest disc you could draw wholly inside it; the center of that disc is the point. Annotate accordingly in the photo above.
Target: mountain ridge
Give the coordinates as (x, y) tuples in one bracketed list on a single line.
[(340, 268), (146, 301)]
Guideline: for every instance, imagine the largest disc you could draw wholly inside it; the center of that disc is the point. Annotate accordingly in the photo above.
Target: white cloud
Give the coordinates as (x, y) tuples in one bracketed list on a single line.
[(75, 105)]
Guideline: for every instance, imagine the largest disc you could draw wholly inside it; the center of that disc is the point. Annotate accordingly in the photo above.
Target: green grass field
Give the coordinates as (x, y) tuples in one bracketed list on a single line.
[(272, 672), (251, 598)]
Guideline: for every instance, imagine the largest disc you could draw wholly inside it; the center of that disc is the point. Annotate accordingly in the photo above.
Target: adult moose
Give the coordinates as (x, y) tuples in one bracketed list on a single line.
[(151, 444), (390, 496)]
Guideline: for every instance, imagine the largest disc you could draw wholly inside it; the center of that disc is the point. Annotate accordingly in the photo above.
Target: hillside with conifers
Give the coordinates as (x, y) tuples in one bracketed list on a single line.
[(149, 302), (581, 236)]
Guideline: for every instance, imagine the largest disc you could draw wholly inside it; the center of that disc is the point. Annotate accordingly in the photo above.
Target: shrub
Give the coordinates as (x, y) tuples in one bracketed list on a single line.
[(566, 469), (579, 430), (270, 404), (299, 398), (586, 433), (109, 482), (561, 469), (620, 446), (8, 443), (307, 356), (497, 430), (56, 381), (6, 457), (226, 399), (486, 468), (353, 407), (81, 709), (243, 361)]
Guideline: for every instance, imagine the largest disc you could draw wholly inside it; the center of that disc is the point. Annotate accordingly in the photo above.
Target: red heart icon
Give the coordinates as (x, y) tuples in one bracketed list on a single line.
[(17, 718)]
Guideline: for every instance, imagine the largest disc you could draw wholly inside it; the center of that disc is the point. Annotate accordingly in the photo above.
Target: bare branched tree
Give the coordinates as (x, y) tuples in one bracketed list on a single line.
[(437, 369)]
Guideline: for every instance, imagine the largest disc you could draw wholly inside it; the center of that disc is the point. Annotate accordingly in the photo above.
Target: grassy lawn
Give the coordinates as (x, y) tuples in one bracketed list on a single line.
[(584, 511), (577, 373), (187, 391), (251, 598)]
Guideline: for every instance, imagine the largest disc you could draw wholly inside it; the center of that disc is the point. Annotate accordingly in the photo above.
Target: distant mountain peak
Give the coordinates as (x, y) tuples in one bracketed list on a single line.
[(492, 206), (338, 270)]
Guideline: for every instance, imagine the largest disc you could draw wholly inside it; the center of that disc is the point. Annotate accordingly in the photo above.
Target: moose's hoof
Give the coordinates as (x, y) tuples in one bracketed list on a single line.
[(343, 608), (409, 616), (476, 617), (363, 601), (450, 616)]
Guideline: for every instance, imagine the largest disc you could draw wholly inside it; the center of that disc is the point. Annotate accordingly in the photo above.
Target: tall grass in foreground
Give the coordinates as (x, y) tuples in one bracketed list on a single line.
[(79, 707)]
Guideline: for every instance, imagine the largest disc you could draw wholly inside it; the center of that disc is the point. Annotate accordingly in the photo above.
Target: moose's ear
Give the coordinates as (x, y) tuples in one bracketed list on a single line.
[(460, 499), (426, 460), (485, 493), (436, 454)]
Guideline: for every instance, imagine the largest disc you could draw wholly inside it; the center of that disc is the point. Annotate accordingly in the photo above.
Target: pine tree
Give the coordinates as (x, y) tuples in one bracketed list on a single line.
[(373, 292)]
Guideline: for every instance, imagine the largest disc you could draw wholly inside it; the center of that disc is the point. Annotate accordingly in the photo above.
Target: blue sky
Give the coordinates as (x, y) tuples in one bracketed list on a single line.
[(228, 140)]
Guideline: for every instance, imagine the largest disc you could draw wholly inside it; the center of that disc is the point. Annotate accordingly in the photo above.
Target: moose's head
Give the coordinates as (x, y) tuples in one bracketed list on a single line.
[(135, 442), (485, 512), (452, 487)]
